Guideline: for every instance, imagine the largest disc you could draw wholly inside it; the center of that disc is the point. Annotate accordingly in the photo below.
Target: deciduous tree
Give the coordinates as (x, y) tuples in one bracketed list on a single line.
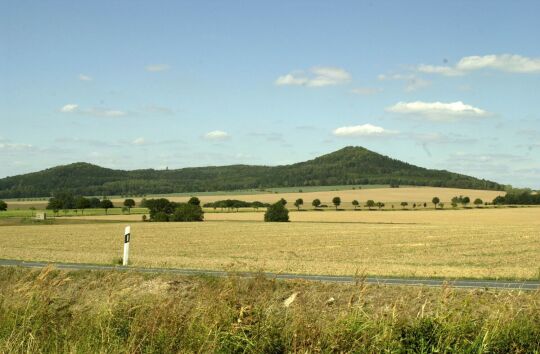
[(106, 204), (336, 201), (129, 203)]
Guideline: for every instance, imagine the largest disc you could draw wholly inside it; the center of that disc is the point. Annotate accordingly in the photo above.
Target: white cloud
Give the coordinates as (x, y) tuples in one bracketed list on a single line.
[(416, 84), (412, 81), (290, 79), (438, 111), (511, 63), (96, 112), (365, 130), (139, 141), (69, 108), (315, 77), (13, 146), (384, 77), (155, 109), (366, 91), (443, 70), (83, 77), (440, 138), (157, 67), (503, 62), (99, 112), (217, 135)]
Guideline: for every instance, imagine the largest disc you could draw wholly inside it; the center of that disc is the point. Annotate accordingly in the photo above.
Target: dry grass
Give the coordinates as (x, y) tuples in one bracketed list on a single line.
[(48, 311), (468, 243)]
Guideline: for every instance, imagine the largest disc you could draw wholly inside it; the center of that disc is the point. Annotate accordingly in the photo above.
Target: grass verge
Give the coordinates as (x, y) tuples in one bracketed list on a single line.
[(54, 311)]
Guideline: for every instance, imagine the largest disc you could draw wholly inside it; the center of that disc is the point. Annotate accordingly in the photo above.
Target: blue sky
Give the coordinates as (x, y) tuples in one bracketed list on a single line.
[(149, 84)]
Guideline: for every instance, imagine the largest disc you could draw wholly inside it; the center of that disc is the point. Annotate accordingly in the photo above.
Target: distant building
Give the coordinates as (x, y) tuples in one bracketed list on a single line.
[(41, 216)]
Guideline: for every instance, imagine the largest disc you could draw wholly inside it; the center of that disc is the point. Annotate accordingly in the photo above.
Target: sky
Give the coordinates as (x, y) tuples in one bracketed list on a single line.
[(449, 85)]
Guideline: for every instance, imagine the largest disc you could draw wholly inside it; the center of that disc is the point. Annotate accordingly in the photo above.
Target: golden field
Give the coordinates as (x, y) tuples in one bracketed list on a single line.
[(476, 216), (408, 194), (450, 243), (386, 195)]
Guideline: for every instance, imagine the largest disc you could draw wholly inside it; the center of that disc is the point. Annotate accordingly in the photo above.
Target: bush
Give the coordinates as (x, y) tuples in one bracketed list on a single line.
[(3, 205), (160, 216), (160, 205), (187, 212), (277, 213), (164, 210)]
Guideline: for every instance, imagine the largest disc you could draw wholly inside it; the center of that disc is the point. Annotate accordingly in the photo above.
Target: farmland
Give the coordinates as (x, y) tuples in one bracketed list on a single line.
[(325, 194), (478, 243)]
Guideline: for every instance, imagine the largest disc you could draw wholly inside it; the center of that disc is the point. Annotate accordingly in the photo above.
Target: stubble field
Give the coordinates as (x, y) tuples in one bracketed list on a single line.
[(385, 195), (464, 243)]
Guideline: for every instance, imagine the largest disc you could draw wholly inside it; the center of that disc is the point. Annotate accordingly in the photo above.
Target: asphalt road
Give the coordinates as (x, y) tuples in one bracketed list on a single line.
[(455, 283)]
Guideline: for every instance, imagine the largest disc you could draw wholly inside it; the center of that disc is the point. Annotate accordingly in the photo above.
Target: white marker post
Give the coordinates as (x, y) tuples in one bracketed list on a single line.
[(127, 236)]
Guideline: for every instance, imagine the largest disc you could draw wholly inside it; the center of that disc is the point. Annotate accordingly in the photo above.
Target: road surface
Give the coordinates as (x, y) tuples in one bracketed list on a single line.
[(455, 283)]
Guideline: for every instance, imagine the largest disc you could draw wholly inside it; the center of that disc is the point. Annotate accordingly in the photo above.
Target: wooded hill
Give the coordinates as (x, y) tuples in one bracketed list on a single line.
[(348, 166)]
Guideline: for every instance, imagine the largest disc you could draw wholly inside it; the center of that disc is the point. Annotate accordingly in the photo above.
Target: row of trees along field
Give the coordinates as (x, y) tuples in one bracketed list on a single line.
[(336, 201), (66, 201), (231, 204), (519, 197)]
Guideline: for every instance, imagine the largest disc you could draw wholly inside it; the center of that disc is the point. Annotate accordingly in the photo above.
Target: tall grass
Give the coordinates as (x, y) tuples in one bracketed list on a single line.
[(112, 312)]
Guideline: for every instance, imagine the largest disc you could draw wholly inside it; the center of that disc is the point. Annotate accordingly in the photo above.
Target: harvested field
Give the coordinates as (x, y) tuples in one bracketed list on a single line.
[(480, 216), (468, 243), (409, 194), (387, 195)]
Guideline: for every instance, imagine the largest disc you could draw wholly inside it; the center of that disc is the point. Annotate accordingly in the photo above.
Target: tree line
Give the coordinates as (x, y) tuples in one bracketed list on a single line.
[(519, 196), (231, 204), (66, 201)]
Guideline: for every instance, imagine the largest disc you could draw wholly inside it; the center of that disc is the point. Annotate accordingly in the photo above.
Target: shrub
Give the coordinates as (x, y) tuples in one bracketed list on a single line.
[(3, 205), (160, 216), (277, 213), (164, 210), (187, 212), (160, 205)]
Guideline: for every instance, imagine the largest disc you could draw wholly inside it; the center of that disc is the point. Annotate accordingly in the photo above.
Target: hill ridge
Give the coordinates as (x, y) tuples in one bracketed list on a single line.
[(351, 165)]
